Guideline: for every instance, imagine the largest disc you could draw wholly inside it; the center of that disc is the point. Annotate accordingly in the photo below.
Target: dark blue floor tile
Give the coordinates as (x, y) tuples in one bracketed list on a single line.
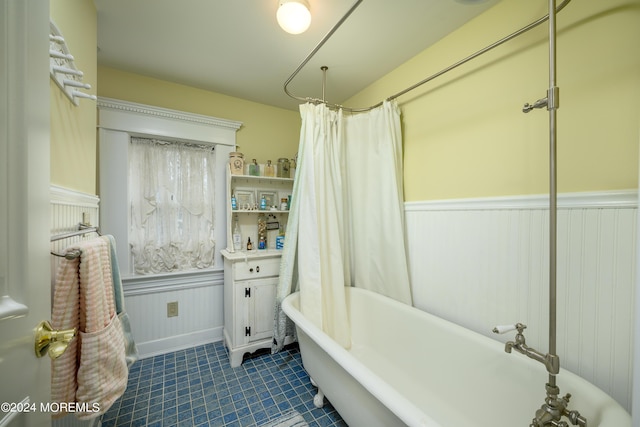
[(198, 387)]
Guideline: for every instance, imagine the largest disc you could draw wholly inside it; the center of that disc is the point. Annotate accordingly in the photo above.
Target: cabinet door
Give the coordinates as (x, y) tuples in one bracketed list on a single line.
[(241, 325), (261, 308), (255, 301)]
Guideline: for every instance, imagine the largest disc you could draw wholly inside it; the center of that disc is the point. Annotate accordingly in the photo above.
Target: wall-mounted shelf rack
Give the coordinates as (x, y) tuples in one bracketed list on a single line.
[(63, 70)]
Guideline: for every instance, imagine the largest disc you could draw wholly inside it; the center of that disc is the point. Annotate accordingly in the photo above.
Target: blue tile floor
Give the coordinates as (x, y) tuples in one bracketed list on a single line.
[(198, 387)]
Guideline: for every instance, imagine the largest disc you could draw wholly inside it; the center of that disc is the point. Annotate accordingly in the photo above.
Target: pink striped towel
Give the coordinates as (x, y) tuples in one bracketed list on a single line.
[(93, 369)]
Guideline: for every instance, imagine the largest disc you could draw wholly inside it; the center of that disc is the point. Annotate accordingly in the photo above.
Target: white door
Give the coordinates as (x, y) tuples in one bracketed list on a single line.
[(25, 296)]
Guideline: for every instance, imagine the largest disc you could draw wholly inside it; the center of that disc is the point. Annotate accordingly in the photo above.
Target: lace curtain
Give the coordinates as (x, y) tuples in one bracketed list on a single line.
[(171, 190)]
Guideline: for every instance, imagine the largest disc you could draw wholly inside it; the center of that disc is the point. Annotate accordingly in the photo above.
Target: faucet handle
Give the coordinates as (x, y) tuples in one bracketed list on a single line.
[(502, 329)]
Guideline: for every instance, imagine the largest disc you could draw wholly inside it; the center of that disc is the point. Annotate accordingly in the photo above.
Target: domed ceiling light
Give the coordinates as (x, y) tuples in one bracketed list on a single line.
[(294, 16)]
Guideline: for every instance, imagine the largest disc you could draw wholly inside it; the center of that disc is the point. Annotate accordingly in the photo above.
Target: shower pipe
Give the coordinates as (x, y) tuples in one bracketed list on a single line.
[(410, 88)]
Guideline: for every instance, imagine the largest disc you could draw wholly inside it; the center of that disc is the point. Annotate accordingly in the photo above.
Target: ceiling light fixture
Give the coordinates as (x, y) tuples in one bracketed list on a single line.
[(294, 16)]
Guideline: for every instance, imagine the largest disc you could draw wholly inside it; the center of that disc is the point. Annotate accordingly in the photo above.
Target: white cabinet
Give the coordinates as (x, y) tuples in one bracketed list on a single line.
[(251, 277), (250, 282)]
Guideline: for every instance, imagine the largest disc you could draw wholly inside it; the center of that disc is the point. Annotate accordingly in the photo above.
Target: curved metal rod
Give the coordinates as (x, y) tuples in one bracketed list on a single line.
[(420, 83), (315, 50)]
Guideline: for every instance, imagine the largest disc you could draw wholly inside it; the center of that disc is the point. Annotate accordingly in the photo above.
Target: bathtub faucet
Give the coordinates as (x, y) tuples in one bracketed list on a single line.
[(550, 361), (554, 408)]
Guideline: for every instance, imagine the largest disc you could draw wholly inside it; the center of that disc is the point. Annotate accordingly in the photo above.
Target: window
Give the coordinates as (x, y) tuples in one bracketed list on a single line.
[(171, 193), (119, 122)]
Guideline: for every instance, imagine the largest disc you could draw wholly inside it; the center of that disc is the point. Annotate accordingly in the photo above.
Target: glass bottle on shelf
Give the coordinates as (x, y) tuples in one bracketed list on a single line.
[(292, 167), (262, 231), (283, 167), (269, 169), (280, 238), (237, 235), (254, 168)]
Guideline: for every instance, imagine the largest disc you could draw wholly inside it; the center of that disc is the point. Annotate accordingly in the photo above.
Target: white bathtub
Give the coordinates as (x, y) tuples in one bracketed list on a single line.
[(407, 367)]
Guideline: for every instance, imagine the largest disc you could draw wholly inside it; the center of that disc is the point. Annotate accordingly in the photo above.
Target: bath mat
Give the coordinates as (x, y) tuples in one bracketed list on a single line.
[(290, 419)]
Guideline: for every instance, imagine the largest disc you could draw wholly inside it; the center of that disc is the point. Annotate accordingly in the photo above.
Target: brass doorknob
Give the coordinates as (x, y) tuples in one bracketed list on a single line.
[(50, 341)]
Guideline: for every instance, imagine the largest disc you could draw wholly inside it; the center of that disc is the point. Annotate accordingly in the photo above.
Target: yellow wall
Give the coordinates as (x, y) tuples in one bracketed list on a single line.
[(464, 132), (267, 132), (73, 128)]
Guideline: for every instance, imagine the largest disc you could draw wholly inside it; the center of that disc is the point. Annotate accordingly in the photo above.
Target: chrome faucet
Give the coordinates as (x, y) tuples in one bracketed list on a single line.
[(550, 361), (555, 407)]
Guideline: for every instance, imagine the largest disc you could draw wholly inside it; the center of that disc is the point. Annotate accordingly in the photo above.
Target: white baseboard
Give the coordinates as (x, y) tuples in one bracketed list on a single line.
[(179, 342)]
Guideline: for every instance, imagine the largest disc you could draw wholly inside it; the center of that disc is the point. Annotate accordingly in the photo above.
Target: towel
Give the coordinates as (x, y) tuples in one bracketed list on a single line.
[(131, 351), (93, 369)]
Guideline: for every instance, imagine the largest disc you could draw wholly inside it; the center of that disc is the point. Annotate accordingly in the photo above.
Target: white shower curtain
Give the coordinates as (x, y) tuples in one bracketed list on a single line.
[(346, 224)]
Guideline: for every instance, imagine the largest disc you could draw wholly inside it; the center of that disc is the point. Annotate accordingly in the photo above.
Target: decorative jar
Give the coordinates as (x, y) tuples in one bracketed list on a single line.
[(236, 163)]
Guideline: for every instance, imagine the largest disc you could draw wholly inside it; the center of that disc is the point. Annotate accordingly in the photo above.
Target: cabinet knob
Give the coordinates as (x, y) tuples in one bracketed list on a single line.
[(251, 270), (258, 269)]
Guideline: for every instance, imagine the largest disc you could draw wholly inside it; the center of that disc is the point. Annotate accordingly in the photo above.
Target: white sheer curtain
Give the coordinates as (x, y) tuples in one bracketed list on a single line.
[(171, 189), (346, 227)]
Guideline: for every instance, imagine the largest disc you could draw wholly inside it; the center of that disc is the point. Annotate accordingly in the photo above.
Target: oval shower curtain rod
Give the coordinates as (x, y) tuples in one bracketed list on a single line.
[(420, 83)]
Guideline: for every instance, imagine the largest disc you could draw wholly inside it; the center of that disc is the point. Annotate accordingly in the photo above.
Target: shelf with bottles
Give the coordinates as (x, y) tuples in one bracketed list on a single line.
[(260, 199), (258, 211), (283, 168), (251, 198), (253, 180), (262, 232)]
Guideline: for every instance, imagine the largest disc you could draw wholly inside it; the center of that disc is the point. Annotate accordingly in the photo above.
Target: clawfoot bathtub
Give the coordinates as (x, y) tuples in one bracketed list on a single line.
[(407, 367)]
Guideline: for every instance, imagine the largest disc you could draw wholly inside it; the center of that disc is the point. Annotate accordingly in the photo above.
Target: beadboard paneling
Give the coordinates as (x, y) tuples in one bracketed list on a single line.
[(199, 294), (200, 311), (68, 209), (484, 262)]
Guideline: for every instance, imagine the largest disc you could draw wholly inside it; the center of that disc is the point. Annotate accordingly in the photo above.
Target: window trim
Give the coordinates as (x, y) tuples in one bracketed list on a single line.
[(118, 121)]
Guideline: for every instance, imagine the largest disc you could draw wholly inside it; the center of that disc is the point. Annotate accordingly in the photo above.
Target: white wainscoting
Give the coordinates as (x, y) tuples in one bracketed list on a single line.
[(69, 208), (199, 294), (200, 317), (485, 262)]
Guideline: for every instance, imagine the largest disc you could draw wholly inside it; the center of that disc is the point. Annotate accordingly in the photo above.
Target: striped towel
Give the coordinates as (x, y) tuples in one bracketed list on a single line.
[(93, 369)]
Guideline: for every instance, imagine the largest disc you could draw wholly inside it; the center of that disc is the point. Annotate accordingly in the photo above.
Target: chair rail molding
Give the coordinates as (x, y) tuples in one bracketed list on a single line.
[(588, 199)]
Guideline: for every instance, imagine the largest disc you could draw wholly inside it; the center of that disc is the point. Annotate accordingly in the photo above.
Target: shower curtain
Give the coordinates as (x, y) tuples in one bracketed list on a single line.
[(346, 225)]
